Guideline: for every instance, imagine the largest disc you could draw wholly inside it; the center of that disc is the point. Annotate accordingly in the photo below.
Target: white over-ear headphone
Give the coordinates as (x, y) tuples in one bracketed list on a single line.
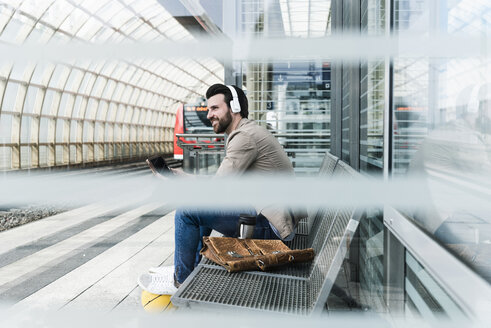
[(234, 103)]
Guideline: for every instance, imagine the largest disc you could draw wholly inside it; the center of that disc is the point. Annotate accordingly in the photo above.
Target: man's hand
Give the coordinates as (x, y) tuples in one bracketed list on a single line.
[(158, 175), (180, 172)]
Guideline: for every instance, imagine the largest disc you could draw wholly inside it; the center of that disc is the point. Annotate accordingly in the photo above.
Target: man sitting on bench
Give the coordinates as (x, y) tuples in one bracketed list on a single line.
[(249, 148)]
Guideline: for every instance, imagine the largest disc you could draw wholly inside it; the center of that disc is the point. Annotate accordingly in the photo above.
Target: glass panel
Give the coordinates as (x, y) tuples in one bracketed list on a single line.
[(25, 129), (30, 99), (424, 296), (73, 80), (25, 157), (411, 77), (347, 86), (60, 127), (34, 7), (64, 111), (48, 102), (102, 110), (88, 131), (289, 97), (117, 18), (77, 108), (85, 152), (89, 29), (10, 96), (12, 29), (84, 86), (59, 154), (43, 130), (73, 154), (55, 81), (39, 34), (37, 77), (441, 129), (5, 128), (17, 72), (103, 35), (5, 15), (125, 135), (73, 131), (5, 156), (372, 93), (43, 156), (57, 13), (74, 21), (345, 113), (371, 259), (91, 111)]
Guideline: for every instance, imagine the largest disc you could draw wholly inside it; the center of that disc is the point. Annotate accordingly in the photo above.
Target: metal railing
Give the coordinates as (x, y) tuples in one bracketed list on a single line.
[(204, 151)]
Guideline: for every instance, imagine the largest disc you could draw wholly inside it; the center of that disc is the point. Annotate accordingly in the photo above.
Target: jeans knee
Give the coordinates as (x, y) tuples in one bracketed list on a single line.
[(185, 216)]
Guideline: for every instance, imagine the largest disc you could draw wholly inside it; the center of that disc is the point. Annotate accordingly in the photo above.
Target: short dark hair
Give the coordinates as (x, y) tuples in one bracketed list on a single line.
[(219, 88)]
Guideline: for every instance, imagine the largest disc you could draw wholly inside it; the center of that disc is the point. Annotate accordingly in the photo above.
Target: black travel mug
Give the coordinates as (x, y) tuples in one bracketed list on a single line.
[(245, 226)]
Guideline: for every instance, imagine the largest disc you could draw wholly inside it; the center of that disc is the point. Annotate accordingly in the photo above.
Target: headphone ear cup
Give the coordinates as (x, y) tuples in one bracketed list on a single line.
[(234, 107), (234, 103)]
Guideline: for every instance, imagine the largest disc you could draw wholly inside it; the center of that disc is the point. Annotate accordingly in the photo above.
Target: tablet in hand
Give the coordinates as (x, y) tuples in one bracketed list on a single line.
[(158, 165)]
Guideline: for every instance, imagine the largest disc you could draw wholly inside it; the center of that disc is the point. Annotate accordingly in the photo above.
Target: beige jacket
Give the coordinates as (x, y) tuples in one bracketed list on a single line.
[(252, 148)]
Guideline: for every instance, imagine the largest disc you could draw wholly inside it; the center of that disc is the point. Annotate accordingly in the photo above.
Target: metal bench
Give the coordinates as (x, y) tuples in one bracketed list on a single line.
[(300, 289), (326, 169)]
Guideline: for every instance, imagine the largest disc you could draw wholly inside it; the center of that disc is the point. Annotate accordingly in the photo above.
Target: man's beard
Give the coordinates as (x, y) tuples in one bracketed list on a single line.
[(223, 123)]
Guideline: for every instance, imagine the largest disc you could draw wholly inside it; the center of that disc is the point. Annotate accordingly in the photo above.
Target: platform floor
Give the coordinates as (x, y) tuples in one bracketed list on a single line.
[(88, 257)]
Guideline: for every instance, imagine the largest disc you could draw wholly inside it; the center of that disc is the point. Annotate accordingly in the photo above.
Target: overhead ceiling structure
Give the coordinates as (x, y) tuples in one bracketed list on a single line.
[(80, 111), (306, 18)]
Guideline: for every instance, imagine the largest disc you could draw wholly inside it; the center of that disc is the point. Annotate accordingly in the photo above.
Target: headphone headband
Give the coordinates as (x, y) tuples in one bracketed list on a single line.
[(234, 103)]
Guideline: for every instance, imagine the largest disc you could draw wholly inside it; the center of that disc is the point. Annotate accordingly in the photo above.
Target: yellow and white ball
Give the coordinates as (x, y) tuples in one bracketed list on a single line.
[(155, 302)]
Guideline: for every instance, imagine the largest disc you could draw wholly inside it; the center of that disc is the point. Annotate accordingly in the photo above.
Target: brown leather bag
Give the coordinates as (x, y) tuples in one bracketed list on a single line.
[(251, 254)]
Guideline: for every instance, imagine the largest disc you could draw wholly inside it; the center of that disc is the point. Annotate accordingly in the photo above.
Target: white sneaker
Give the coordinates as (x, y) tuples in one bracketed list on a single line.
[(157, 284), (163, 270)]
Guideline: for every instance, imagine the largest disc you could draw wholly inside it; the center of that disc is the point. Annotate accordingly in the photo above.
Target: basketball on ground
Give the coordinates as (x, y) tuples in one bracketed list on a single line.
[(155, 302)]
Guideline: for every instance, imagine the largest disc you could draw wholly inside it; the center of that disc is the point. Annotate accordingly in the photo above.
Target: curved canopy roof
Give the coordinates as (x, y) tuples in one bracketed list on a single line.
[(66, 103)]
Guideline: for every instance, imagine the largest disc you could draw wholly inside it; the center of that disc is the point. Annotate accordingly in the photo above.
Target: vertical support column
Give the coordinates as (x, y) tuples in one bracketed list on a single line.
[(336, 82), (34, 141), (78, 140), (354, 148), (66, 142), (388, 123), (15, 152), (16, 125), (117, 141), (54, 110), (100, 142), (394, 273), (50, 153), (109, 138), (90, 141)]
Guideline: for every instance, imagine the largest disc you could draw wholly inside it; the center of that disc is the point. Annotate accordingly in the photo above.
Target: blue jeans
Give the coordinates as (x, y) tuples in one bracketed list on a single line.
[(191, 225)]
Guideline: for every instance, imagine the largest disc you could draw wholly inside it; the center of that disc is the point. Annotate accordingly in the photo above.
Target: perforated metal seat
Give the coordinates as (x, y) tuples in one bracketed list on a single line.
[(300, 289), (212, 287)]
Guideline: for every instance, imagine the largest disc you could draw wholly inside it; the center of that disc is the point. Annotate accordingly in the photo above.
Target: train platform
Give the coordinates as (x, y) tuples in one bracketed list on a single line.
[(88, 257)]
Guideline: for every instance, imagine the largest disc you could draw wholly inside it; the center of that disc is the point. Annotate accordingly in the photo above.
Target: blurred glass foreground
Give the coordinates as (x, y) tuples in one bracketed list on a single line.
[(399, 90), (75, 318)]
